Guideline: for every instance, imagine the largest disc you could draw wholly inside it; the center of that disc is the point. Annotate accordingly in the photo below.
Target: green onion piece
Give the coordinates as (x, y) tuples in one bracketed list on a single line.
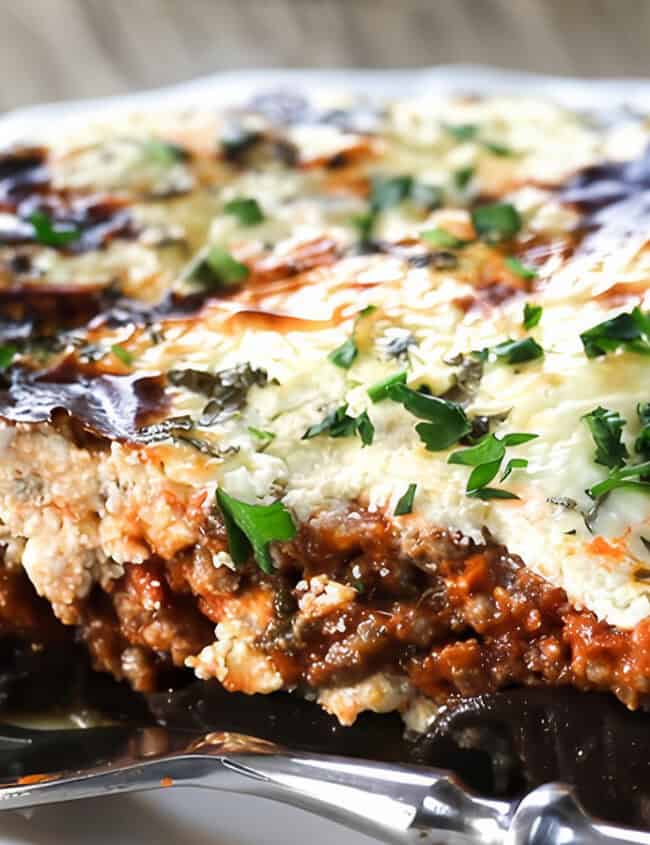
[(497, 222), (405, 504), (253, 527), (246, 210), (381, 389)]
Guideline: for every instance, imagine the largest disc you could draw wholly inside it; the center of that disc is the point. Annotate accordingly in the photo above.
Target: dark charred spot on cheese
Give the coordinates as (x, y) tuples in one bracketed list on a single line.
[(614, 200), (26, 189), (106, 406)]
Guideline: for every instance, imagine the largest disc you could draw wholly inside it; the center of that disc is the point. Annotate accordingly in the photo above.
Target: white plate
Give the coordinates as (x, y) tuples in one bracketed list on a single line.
[(200, 817)]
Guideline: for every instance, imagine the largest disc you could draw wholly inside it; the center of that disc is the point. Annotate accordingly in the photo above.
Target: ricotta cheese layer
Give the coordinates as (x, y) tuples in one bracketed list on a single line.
[(315, 294)]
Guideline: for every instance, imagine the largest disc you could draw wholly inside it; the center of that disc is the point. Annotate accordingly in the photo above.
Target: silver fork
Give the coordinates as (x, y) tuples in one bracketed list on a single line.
[(393, 803)]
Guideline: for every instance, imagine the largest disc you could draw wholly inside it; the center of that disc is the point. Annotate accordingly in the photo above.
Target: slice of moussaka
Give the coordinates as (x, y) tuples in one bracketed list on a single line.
[(346, 400)]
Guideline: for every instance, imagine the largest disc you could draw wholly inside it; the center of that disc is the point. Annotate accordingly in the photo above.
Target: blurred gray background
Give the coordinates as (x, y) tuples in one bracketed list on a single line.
[(58, 49)]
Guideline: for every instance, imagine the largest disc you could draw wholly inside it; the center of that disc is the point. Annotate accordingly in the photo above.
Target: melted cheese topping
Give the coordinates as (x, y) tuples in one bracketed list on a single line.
[(547, 397)]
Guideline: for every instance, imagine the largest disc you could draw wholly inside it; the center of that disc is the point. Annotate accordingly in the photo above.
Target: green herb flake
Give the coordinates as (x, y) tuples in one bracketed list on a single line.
[(496, 222), (122, 354), (532, 315), (7, 354), (52, 234), (339, 423), (486, 458), (217, 269), (246, 210), (461, 131), (264, 438), (522, 270), (629, 330), (425, 196), (518, 351), (405, 504), (512, 351), (623, 478), (364, 223), (381, 389), (487, 493), (253, 527), (462, 177), (442, 239), (387, 192), (606, 428), (642, 442), (164, 153), (344, 355), (497, 148), (445, 422)]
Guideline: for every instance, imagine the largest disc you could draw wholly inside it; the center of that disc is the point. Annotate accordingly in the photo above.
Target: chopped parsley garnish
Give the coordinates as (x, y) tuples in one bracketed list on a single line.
[(524, 272), (496, 222), (122, 354), (246, 210), (364, 223), (7, 354), (462, 177), (622, 478), (381, 389), (497, 148), (387, 192), (442, 239), (606, 428), (425, 196), (642, 443), (461, 131), (470, 132), (52, 234), (262, 437), (339, 423), (164, 153), (445, 422), (216, 268), (532, 315), (512, 351), (253, 527), (630, 330), (343, 356), (405, 504), (486, 458)]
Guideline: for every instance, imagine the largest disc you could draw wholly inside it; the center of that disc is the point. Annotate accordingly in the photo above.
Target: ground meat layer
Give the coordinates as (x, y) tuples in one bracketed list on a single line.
[(350, 600)]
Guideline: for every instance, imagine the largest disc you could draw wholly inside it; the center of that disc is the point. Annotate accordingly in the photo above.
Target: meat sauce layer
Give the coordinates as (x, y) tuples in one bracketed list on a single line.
[(455, 617)]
